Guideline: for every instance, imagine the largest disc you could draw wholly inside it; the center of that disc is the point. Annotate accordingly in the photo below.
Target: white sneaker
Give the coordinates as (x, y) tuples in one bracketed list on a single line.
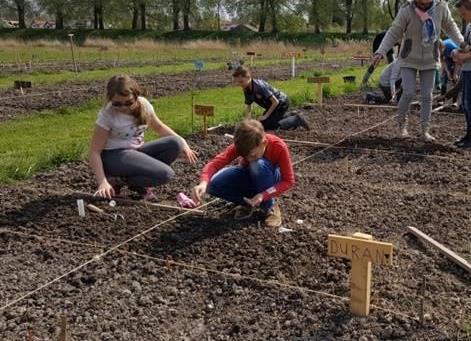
[(427, 137), (404, 133)]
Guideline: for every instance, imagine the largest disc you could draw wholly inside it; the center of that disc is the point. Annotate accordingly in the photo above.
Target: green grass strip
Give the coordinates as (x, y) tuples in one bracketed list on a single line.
[(55, 137)]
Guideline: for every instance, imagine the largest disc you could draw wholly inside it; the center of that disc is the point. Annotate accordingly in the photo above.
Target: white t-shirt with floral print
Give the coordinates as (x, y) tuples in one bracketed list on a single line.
[(125, 133)]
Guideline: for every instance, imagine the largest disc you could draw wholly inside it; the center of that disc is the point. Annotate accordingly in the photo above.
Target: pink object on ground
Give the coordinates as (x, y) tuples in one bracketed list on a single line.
[(185, 201)]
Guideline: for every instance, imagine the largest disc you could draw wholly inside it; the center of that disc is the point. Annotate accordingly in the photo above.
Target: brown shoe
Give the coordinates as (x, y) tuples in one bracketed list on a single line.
[(273, 217), (243, 212)]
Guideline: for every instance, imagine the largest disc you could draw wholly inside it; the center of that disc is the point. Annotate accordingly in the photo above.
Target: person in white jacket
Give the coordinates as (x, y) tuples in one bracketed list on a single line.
[(418, 26)]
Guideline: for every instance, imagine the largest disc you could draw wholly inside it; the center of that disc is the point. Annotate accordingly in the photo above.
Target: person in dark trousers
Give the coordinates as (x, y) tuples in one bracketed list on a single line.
[(118, 155), (275, 102), (464, 59)]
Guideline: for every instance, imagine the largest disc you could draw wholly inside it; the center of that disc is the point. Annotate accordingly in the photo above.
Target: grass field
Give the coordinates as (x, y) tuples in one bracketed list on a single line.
[(7, 81), (55, 137)]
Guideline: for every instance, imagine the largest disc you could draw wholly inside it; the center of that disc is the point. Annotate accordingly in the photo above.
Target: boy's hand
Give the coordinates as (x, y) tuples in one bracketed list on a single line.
[(376, 59), (198, 192), (255, 201)]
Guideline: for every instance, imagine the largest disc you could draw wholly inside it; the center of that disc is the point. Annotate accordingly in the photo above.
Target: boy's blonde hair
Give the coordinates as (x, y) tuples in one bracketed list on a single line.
[(248, 135)]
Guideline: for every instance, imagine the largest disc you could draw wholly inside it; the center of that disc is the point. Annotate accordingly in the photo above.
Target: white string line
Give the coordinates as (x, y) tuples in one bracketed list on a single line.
[(376, 150), (331, 146), (99, 256), (204, 269)]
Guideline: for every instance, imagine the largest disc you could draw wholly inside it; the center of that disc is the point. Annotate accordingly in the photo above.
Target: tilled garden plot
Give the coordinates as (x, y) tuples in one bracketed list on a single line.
[(43, 97), (208, 277)]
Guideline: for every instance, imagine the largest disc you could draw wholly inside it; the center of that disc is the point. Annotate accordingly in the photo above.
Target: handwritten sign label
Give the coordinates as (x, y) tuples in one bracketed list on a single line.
[(318, 80), (358, 249), (363, 251), (204, 110)]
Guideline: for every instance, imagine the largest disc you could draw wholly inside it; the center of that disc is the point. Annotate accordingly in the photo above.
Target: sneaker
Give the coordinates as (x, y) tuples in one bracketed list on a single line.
[(273, 217), (465, 144), (243, 212), (403, 133), (460, 141), (149, 194), (303, 122), (427, 137)]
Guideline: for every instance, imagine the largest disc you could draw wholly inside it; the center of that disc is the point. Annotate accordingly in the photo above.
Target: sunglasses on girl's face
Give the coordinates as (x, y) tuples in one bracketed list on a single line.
[(123, 104)]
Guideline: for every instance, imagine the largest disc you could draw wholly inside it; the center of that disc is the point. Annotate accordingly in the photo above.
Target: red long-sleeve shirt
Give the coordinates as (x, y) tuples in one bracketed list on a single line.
[(276, 152)]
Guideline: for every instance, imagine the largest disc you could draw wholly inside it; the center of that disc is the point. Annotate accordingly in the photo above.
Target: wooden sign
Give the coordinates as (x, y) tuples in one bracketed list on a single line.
[(362, 59), (205, 111), (22, 84), (363, 251), (320, 81), (252, 55)]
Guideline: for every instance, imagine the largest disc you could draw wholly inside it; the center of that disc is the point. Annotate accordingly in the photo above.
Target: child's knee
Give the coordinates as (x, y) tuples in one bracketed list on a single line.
[(175, 144), (260, 166), (165, 175)]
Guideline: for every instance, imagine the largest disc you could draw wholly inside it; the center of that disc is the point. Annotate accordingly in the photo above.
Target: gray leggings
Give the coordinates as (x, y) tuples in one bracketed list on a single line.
[(427, 81), (147, 166)]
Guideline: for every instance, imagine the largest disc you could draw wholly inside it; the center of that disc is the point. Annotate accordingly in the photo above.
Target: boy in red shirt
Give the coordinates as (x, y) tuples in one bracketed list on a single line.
[(264, 172)]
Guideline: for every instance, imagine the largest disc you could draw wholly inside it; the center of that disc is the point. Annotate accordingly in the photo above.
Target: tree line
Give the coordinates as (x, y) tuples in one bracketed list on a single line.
[(262, 15)]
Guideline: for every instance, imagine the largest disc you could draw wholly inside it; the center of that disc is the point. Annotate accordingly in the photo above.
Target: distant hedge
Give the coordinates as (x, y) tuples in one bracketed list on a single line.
[(130, 35)]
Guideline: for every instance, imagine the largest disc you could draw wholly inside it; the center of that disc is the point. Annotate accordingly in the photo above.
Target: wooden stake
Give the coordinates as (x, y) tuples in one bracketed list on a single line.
[(71, 36), (205, 111), (63, 329), (320, 81), (362, 250), (463, 263), (360, 283)]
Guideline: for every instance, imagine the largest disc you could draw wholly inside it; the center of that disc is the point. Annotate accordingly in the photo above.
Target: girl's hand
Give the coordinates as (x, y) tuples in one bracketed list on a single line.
[(255, 201), (190, 154), (105, 190), (198, 192)]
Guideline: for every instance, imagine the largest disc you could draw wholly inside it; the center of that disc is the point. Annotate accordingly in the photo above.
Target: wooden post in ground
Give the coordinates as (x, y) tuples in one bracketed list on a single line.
[(63, 329), (71, 37), (362, 250), (252, 55), (320, 81), (205, 111)]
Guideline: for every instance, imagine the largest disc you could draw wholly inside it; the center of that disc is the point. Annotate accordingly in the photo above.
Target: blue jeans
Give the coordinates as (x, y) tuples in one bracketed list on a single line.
[(466, 79), (236, 182)]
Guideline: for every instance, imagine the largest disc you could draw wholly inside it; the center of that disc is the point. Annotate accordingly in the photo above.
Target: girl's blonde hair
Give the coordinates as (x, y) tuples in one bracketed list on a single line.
[(124, 85)]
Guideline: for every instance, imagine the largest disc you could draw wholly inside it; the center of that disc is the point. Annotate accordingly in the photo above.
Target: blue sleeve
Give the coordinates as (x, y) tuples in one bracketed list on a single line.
[(265, 90)]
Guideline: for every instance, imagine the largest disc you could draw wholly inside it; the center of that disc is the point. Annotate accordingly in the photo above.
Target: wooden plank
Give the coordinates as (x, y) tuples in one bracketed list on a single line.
[(251, 53), (204, 110), (358, 249), (443, 249), (317, 80), (360, 282)]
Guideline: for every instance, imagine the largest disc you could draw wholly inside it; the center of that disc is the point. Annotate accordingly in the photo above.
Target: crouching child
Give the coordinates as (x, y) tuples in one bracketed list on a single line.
[(264, 172)]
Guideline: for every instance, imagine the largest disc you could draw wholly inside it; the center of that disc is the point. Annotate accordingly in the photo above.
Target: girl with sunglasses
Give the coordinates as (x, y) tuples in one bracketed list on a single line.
[(118, 154)]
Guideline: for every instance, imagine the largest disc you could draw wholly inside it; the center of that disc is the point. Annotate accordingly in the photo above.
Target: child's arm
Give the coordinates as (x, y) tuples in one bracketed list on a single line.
[(287, 176), (274, 104), (164, 130), (100, 136), (212, 167), (248, 111)]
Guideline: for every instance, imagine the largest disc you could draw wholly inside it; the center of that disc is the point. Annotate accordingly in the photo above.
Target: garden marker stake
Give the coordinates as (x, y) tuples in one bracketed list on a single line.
[(362, 250), (205, 111), (320, 81), (71, 36)]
